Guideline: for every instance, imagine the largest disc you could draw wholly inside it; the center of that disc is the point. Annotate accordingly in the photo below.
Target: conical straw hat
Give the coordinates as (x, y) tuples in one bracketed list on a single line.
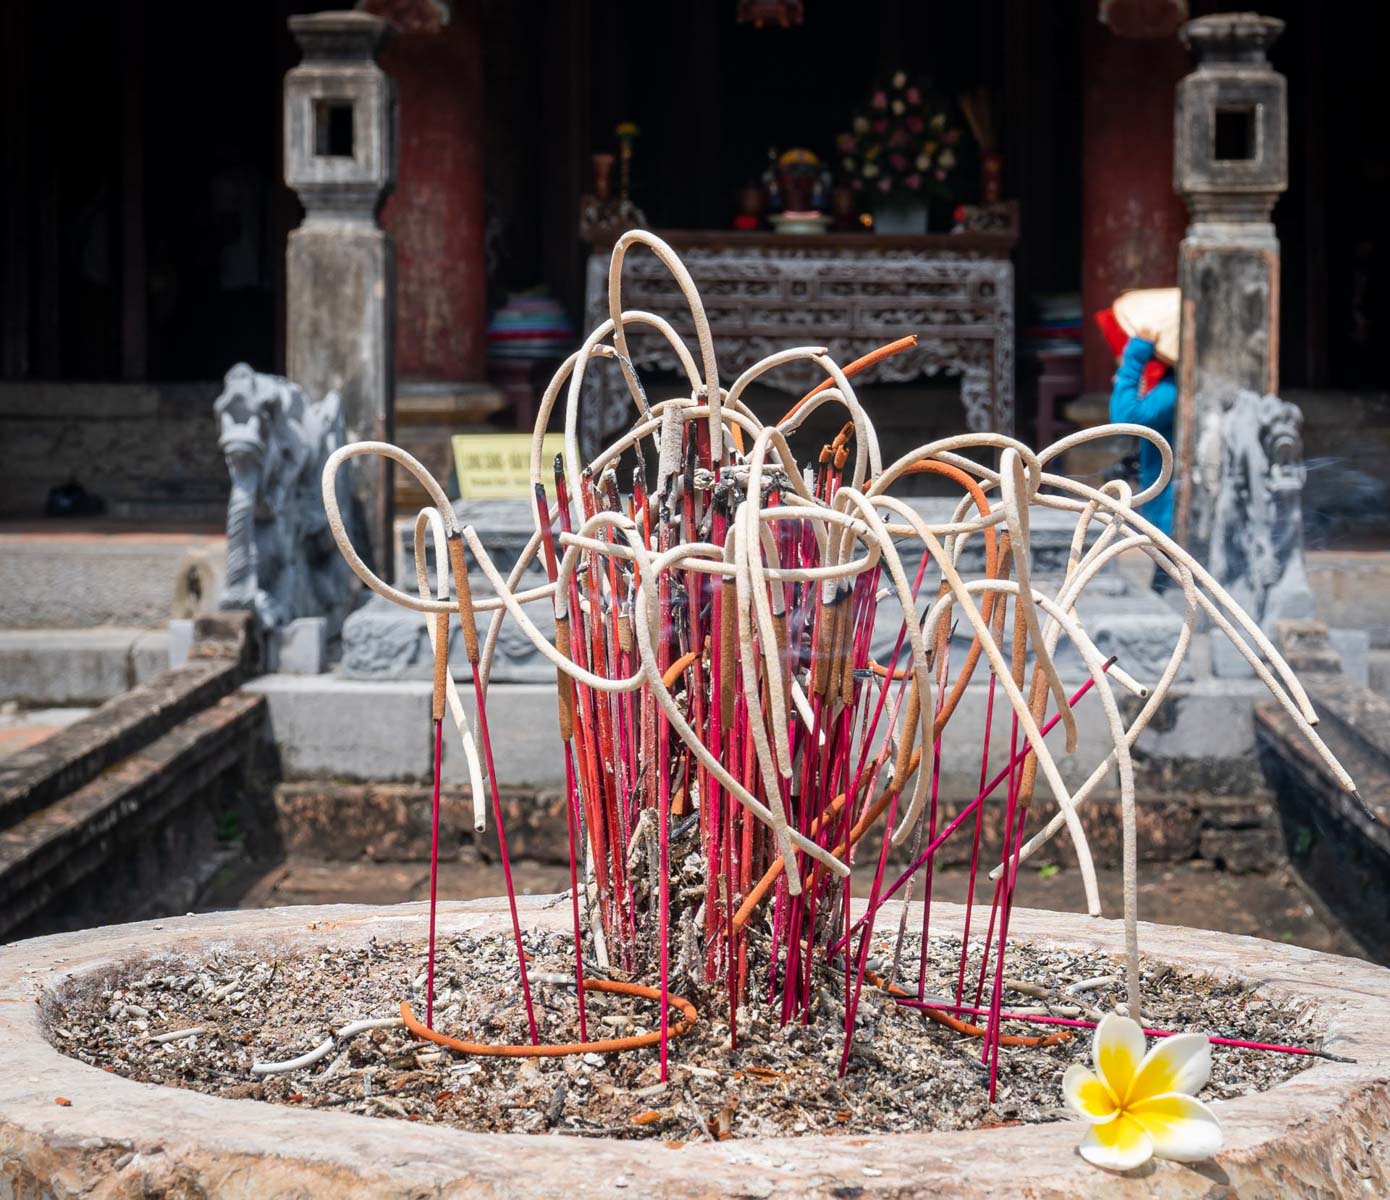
[(1156, 310)]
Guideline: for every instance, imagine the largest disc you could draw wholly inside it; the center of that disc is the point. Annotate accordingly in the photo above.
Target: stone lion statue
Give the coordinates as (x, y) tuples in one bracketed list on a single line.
[(281, 560), (1256, 511)]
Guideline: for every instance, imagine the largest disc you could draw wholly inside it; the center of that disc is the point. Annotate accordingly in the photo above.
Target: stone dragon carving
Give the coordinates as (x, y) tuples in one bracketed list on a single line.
[(281, 560), (1252, 475)]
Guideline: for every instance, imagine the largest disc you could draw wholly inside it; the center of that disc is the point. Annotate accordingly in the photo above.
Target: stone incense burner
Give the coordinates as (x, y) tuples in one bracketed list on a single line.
[(1325, 1132)]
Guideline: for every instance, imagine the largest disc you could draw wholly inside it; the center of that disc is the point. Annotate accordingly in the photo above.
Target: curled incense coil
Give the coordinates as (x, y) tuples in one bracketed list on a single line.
[(640, 1041)]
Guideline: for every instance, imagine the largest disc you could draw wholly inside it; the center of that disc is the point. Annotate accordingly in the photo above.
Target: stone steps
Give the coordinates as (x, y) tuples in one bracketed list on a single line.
[(117, 815), (139, 836), (71, 667), (41, 774), (105, 572)]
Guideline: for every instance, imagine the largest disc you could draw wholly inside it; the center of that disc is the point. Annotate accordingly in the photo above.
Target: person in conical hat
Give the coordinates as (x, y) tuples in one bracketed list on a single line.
[(1142, 330)]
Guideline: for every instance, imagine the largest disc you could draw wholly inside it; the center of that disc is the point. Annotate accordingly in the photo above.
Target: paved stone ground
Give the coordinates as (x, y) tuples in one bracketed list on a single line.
[(1272, 906)]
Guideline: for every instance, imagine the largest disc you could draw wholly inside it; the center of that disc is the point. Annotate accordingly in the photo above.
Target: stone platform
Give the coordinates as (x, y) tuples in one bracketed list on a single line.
[(1324, 1132), (78, 666), (378, 731), (76, 574), (383, 642)]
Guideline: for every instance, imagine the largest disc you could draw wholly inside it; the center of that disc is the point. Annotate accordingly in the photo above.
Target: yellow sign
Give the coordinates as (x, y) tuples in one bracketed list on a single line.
[(497, 466)]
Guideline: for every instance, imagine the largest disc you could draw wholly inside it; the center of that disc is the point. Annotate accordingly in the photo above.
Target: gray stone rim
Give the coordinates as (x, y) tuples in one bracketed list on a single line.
[(246, 1147)]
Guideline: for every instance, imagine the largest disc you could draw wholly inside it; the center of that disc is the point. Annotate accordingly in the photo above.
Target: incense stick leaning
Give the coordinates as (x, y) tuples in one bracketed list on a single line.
[(792, 569)]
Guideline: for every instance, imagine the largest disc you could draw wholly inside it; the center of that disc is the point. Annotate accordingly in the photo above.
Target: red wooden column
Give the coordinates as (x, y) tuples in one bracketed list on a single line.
[(436, 213), (1132, 220), (436, 216)]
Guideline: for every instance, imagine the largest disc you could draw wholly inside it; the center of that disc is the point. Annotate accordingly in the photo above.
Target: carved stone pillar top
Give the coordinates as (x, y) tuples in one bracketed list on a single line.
[(1232, 37), (1230, 164), (340, 290), (1230, 160), (345, 36), (340, 117)]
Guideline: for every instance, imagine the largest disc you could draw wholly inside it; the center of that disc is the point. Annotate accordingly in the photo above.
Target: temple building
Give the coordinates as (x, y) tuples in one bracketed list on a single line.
[(146, 213)]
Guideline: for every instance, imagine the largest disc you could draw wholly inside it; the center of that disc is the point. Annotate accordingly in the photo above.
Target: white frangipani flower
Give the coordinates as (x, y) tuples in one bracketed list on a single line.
[(1139, 1105)]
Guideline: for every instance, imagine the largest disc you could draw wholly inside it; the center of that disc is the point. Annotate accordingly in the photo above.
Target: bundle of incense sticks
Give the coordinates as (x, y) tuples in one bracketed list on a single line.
[(731, 744)]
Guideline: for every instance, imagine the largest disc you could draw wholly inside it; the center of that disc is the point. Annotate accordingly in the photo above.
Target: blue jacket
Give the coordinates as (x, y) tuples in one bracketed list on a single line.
[(1154, 409)]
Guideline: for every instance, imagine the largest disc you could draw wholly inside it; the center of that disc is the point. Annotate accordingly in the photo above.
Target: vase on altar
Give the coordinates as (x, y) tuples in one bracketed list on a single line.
[(991, 176), (603, 176), (799, 180), (900, 214)]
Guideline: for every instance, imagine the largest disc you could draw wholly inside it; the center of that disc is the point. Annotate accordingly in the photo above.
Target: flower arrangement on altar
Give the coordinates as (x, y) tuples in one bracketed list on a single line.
[(904, 143)]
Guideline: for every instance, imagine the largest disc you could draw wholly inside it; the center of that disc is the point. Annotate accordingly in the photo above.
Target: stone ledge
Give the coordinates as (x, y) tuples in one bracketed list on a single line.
[(90, 577), (70, 758), (379, 731), (49, 667), (1326, 1131), (49, 852), (1339, 843)]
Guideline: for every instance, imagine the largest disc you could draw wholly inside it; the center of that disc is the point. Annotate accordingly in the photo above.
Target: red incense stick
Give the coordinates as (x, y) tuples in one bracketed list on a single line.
[(1074, 1023)]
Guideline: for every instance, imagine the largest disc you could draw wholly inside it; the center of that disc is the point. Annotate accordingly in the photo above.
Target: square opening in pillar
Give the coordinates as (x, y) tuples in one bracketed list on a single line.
[(1235, 134), (333, 128)]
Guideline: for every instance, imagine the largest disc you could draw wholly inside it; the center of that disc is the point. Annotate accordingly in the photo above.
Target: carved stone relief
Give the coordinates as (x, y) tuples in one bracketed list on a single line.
[(851, 300)]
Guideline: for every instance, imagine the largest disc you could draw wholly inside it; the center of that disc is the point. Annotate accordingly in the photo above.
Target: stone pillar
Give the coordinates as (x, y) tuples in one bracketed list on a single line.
[(1131, 221), (340, 157), (1230, 164)]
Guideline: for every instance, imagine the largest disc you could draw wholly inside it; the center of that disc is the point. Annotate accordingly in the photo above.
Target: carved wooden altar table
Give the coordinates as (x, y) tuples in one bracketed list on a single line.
[(847, 292)]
